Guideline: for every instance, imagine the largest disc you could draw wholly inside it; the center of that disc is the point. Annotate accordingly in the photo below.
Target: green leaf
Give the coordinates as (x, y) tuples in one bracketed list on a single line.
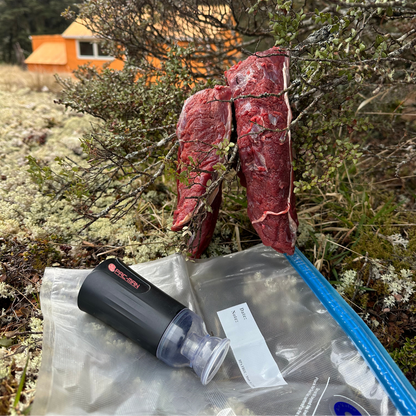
[(27, 410), (21, 384), (379, 40), (5, 342), (385, 210), (241, 200), (367, 289)]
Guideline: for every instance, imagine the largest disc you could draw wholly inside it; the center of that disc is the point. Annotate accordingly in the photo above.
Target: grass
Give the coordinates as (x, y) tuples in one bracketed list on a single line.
[(13, 78)]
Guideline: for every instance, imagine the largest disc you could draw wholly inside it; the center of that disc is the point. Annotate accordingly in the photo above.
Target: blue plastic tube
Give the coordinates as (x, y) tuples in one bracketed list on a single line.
[(399, 389)]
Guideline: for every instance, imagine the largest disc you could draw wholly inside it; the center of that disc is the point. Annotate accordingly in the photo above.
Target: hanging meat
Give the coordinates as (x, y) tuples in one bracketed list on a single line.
[(264, 144), (204, 123)]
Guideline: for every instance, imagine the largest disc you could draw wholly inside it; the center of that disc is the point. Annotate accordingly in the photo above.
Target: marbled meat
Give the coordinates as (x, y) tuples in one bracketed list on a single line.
[(264, 143), (205, 121)]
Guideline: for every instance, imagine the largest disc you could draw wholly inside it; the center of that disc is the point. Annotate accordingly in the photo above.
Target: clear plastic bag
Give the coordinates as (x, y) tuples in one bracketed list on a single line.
[(89, 368)]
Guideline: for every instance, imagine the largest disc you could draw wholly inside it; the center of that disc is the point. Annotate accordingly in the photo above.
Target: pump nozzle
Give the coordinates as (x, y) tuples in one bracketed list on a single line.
[(186, 340)]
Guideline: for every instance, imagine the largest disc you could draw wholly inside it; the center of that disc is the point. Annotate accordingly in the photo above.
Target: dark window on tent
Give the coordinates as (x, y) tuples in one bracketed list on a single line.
[(86, 49), (100, 51)]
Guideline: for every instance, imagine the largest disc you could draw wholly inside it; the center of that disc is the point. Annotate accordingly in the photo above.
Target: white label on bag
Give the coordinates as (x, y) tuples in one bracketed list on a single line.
[(254, 358)]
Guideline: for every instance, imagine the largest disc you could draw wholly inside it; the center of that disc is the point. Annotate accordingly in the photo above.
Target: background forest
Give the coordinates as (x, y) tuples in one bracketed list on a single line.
[(23, 18), (88, 163)]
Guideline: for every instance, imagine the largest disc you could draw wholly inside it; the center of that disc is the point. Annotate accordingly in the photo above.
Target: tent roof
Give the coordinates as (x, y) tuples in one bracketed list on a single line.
[(77, 30), (49, 53)]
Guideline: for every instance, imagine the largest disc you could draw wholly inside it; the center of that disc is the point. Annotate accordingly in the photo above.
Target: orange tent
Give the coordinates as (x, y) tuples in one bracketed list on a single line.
[(79, 46), (64, 53)]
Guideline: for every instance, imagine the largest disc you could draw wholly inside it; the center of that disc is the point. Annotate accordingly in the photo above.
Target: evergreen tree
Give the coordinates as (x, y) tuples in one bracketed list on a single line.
[(20, 19)]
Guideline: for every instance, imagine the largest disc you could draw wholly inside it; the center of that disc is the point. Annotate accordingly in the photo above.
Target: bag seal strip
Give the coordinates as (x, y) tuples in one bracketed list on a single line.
[(398, 387)]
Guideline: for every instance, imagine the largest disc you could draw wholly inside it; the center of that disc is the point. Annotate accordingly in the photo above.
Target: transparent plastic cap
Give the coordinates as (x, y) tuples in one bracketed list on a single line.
[(187, 343), (210, 366)]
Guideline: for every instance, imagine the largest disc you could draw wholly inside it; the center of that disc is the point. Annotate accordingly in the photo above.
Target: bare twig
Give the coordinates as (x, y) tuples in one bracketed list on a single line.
[(134, 194), (376, 5)]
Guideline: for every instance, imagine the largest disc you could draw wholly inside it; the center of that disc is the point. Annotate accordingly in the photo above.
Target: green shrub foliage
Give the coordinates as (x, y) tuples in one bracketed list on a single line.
[(132, 141), (343, 54), (340, 53)]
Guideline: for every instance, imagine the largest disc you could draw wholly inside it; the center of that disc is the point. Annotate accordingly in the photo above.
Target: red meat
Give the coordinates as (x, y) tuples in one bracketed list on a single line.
[(265, 146), (202, 236), (204, 121)]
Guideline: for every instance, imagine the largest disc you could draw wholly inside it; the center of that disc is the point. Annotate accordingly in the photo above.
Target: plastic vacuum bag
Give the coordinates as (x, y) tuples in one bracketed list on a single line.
[(289, 355)]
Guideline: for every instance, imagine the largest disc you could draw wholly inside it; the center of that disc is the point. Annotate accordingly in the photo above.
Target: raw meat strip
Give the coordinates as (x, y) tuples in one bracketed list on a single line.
[(201, 238), (205, 121), (266, 154)]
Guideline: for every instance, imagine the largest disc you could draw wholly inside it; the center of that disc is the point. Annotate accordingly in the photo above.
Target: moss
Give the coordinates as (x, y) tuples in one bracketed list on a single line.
[(377, 245), (412, 238), (364, 301), (405, 357)]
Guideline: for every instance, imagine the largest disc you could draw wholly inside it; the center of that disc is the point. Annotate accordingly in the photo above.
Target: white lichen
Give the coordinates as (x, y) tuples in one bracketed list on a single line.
[(400, 285), (370, 320), (348, 281), (4, 368), (398, 240), (6, 291), (305, 230), (36, 324)]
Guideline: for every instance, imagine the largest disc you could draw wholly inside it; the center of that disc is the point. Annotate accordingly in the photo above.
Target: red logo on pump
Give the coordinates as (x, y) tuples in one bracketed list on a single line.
[(112, 267)]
